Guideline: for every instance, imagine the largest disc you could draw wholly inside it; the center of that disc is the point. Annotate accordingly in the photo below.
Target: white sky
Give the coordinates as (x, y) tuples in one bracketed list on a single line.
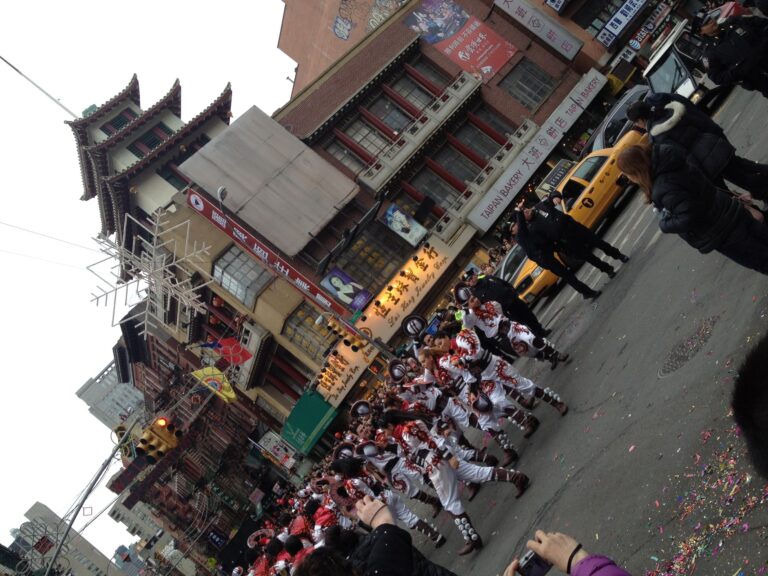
[(53, 338)]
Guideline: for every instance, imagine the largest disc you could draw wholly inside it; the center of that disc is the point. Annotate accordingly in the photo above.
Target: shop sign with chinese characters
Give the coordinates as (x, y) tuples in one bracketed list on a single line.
[(522, 167), (619, 21), (548, 31), (344, 369), (410, 285)]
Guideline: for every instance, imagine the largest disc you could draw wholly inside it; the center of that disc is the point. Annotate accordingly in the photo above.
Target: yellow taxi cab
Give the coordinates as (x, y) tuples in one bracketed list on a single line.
[(589, 190)]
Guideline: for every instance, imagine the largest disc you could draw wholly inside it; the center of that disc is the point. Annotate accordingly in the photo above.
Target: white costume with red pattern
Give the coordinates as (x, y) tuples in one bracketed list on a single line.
[(488, 318), (401, 474), (421, 449), (496, 370)]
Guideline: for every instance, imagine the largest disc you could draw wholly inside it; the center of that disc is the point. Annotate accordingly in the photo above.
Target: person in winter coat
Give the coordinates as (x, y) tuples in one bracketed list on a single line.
[(672, 119), (691, 206), (539, 247), (492, 288), (736, 51), (386, 551), (573, 238), (568, 556)]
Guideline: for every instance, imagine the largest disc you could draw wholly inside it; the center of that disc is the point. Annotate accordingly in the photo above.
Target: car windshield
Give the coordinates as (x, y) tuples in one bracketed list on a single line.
[(669, 75), (614, 130), (589, 168), (511, 263)]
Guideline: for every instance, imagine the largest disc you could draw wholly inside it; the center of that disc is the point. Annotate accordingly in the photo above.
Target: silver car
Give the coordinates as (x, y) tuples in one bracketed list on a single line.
[(615, 123)]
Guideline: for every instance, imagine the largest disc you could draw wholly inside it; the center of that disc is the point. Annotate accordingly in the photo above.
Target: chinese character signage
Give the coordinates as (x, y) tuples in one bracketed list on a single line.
[(552, 34), (619, 21), (342, 287), (261, 252), (522, 167), (410, 285), (403, 225), (644, 34), (475, 47)]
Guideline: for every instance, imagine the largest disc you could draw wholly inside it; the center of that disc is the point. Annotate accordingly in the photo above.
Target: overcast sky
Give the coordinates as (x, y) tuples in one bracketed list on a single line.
[(53, 337)]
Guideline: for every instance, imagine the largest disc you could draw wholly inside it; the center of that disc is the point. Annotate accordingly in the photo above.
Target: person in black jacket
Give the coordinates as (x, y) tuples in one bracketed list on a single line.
[(492, 288), (703, 215), (670, 118), (573, 238), (539, 247), (736, 51)]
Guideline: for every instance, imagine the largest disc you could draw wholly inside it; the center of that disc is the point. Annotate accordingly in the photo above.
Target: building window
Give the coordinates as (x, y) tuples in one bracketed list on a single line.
[(118, 122), (300, 328), (411, 91), (150, 140), (366, 136), (345, 156), (493, 121), (528, 84), (171, 174), (390, 113), (241, 275), (456, 164), (430, 184), (431, 73), (476, 140), (373, 257)]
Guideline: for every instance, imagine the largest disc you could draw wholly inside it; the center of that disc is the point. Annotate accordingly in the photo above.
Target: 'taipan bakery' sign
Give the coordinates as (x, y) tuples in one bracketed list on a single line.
[(533, 155)]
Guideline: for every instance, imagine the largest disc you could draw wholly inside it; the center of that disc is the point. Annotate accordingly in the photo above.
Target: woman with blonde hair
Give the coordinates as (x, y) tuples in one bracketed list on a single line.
[(706, 217)]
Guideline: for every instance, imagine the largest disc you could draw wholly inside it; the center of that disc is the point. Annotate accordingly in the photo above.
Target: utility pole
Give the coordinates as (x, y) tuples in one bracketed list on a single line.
[(87, 493)]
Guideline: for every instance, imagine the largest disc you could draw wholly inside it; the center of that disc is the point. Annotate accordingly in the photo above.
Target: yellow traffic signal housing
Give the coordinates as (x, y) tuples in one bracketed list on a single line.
[(158, 439), (166, 431)]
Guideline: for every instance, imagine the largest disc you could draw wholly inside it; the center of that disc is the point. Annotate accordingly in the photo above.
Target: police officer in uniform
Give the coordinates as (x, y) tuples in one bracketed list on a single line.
[(573, 238), (530, 232), (736, 51)]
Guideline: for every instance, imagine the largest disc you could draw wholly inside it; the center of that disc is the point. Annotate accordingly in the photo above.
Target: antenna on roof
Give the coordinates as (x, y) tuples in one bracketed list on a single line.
[(59, 104)]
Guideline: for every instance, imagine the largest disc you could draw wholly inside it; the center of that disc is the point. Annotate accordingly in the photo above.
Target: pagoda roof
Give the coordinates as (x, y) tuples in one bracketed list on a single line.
[(80, 127), (171, 101), (117, 186)]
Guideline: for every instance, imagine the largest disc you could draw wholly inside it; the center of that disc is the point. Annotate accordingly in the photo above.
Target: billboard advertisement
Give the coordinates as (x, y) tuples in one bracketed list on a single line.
[(342, 287), (475, 47), (404, 225)]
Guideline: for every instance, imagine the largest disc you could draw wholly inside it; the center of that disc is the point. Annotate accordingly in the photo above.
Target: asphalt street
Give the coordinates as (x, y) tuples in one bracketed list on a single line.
[(647, 467)]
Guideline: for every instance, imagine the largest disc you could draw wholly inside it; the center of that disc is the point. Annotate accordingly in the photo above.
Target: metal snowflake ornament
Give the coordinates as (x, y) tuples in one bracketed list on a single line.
[(154, 263)]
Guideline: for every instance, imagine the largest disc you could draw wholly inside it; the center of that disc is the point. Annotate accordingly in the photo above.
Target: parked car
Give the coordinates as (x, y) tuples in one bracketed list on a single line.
[(615, 124), (676, 62), (589, 190)]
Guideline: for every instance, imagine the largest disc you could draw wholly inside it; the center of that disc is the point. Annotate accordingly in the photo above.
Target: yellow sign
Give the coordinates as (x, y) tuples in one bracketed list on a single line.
[(214, 379)]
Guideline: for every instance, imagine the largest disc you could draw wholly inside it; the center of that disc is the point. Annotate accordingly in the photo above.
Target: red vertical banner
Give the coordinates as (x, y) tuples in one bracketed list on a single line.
[(471, 44)]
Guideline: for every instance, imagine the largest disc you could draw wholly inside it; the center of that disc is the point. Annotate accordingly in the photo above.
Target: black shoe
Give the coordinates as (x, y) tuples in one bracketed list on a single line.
[(545, 332), (611, 273), (623, 258), (592, 295)]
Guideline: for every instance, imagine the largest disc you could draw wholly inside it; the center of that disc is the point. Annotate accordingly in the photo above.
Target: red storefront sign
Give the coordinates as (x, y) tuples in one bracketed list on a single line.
[(474, 46), (262, 253)]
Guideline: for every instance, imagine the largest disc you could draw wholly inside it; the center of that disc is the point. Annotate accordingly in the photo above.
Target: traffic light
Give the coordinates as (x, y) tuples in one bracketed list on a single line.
[(158, 439)]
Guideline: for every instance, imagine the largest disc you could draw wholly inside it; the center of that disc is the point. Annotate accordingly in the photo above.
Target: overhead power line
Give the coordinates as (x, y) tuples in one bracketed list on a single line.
[(28, 79), (36, 233)]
